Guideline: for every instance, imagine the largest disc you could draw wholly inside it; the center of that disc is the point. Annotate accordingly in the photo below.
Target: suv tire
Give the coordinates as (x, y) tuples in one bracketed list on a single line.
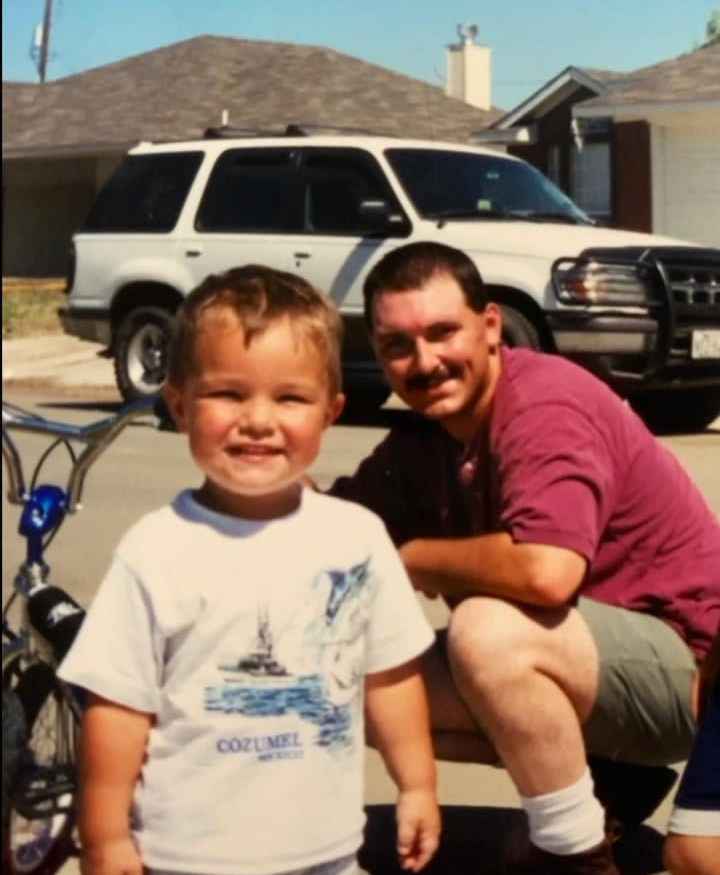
[(140, 351), (518, 330), (689, 410)]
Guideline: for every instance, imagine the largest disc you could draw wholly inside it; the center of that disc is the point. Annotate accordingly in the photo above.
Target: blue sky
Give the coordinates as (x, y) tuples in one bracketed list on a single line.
[(532, 40)]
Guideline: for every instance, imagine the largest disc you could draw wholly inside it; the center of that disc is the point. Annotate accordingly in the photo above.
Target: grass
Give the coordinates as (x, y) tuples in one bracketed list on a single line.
[(29, 306)]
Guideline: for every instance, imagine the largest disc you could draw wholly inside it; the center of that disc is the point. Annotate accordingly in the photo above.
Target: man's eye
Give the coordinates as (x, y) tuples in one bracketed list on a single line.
[(442, 331), (395, 347)]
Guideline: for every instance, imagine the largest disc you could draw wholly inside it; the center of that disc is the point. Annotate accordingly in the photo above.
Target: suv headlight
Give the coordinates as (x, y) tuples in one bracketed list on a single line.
[(589, 282)]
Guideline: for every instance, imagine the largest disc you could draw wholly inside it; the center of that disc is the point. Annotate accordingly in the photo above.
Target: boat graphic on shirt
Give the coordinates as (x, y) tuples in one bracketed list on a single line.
[(259, 684), (260, 662)]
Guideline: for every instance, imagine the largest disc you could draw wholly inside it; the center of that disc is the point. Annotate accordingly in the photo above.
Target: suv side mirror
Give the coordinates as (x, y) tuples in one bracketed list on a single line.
[(379, 214), (375, 209)]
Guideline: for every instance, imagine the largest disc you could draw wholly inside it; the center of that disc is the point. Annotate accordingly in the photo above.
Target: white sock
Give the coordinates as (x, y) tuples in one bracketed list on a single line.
[(567, 821)]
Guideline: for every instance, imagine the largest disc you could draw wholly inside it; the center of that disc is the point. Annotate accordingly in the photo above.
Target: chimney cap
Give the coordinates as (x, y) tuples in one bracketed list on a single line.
[(467, 33)]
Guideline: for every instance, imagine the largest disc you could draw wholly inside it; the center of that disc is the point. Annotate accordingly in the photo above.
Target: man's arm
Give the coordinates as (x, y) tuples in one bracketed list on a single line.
[(398, 722), (114, 739), (495, 565)]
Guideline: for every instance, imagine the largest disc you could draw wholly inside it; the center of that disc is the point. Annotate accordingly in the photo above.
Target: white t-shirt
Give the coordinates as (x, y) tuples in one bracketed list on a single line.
[(249, 642)]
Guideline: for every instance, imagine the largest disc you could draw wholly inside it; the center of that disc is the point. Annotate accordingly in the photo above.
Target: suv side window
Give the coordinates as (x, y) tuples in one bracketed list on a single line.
[(146, 193), (253, 190), (338, 180)]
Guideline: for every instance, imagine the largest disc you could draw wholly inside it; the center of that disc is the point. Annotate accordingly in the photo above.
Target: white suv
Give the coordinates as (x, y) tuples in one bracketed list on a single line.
[(641, 311)]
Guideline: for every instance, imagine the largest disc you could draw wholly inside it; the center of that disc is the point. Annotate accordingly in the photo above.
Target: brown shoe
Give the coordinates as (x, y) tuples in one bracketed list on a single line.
[(596, 861)]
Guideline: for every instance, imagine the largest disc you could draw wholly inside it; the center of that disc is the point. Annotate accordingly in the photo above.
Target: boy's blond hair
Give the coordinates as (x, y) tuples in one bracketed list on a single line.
[(258, 296)]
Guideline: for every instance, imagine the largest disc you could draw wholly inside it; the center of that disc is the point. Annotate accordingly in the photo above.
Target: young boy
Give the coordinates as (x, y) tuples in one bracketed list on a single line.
[(240, 631)]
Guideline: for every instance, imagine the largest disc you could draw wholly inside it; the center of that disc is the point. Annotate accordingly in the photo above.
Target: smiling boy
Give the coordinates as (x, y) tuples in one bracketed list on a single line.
[(243, 631)]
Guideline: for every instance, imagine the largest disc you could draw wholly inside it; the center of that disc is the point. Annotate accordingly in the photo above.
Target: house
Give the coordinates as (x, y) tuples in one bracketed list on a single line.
[(637, 150), (62, 139)]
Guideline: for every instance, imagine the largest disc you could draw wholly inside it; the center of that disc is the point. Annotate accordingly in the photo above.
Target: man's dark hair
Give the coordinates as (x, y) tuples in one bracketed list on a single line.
[(411, 267)]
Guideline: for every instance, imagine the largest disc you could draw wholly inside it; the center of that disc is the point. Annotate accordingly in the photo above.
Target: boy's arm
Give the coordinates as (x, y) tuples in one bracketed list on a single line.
[(398, 723), (114, 739)]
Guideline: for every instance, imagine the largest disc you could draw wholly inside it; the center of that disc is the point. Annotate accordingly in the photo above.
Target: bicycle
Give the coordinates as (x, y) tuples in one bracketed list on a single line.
[(41, 714)]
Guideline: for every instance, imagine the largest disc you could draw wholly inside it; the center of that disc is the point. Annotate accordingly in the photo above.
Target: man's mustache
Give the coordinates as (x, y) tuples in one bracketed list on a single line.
[(420, 382)]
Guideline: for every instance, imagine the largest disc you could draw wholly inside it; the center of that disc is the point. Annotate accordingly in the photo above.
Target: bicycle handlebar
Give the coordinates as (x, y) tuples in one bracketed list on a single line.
[(97, 437)]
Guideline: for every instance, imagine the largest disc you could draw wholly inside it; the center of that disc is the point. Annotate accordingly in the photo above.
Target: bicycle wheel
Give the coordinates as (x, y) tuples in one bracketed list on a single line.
[(13, 745), (42, 798)]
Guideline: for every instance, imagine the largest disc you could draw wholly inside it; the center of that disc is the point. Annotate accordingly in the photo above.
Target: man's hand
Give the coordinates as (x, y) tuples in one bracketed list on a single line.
[(113, 857), (418, 828), (421, 582)]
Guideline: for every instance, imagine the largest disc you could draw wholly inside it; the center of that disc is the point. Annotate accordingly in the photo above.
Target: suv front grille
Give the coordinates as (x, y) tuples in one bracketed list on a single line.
[(694, 289), (694, 285)]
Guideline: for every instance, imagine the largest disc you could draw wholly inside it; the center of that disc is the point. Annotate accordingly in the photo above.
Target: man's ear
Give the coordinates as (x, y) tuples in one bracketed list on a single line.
[(176, 405), (493, 326)]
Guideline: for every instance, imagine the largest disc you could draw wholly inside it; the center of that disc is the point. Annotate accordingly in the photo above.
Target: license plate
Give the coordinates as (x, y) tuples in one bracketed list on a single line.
[(705, 344)]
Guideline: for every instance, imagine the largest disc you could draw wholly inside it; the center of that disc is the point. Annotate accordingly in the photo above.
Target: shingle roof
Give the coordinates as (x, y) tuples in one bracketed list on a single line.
[(177, 91), (606, 78), (694, 76)]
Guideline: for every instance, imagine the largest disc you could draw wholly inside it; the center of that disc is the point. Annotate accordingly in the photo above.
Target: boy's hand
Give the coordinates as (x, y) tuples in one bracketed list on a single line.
[(418, 828), (113, 857)]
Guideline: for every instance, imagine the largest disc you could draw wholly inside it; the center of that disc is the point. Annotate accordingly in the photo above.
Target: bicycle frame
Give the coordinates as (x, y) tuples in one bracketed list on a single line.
[(46, 506), (41, 798)]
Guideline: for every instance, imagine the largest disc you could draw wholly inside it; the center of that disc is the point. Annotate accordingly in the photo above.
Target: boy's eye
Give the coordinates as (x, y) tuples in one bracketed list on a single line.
[(223, 394), (295, 398)]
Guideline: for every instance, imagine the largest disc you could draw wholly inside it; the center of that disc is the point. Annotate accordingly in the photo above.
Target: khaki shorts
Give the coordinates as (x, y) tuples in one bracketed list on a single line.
[(643, 710)]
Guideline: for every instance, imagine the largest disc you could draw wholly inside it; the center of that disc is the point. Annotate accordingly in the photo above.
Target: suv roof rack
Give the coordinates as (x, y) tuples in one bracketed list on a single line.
[(294, 129), (223, 131)]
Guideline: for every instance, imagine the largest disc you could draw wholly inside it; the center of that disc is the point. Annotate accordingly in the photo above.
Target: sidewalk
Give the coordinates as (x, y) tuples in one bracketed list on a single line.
[(56, 360)]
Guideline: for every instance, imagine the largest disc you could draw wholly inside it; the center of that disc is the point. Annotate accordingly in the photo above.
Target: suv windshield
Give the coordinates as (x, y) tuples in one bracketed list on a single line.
[(465, 185)]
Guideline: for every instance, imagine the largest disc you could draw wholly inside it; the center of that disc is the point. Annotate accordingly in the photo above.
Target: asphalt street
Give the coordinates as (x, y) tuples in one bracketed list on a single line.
[(67, 379)]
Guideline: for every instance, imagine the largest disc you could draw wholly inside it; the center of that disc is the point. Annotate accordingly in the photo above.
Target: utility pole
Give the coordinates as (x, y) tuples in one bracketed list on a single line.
[(45, 43)]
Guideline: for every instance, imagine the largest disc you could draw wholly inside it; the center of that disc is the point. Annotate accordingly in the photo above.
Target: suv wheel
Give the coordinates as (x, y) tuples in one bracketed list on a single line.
[(674, 411), (140, 351), (518, 330)]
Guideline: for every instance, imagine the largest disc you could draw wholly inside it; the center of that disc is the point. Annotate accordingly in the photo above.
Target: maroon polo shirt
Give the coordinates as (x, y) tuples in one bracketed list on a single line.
[(569, 464)]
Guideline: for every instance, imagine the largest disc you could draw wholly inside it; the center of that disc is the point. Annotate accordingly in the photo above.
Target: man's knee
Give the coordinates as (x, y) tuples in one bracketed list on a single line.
[(488, 637)]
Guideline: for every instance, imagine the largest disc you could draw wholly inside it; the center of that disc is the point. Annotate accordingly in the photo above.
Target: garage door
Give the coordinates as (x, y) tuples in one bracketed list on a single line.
[(689, 190)]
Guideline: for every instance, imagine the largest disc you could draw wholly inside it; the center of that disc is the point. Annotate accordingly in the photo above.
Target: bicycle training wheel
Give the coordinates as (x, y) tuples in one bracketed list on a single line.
[(42, 798)]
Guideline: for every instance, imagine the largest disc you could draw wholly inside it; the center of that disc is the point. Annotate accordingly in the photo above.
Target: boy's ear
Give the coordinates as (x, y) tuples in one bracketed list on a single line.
[(335, 408), (175, 405)]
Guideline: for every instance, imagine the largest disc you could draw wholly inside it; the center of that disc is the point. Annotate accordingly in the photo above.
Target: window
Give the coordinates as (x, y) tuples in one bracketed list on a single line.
[(553, 169), (146, 193), (338, 181), (591, 179), (253, 190)]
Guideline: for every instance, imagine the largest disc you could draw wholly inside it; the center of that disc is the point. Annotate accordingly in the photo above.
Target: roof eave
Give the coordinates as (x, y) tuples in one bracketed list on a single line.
[(547, 91), (581, 110), (74, 150), (525, 135)]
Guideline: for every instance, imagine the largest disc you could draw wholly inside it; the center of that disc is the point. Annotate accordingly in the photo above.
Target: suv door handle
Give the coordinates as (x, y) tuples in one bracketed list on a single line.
[(302, 255), (193, 253)]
